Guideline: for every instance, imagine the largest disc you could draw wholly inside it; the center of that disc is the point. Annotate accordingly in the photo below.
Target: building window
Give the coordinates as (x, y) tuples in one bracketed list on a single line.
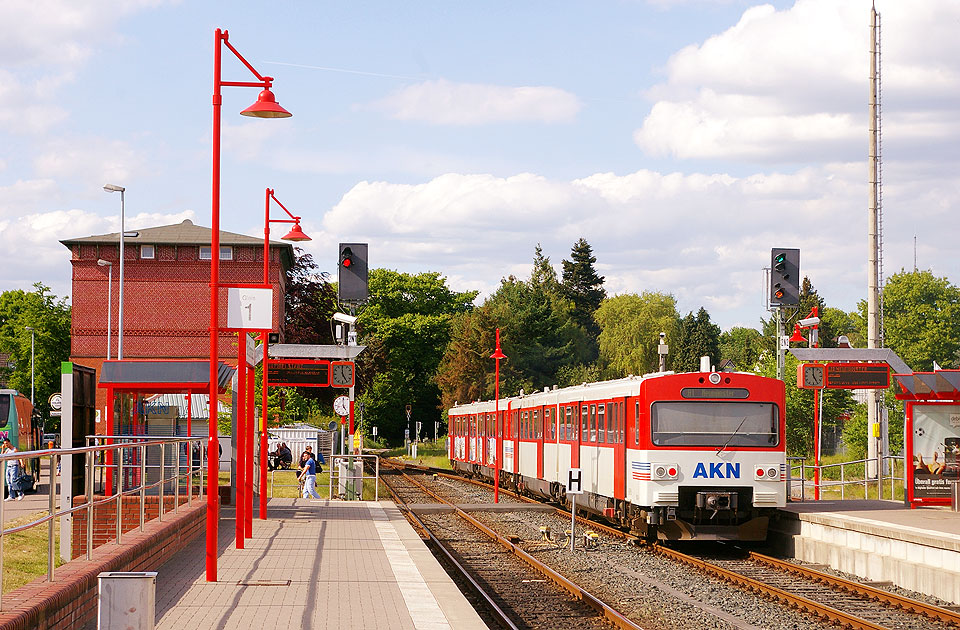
[(148, 252), (226, 252)]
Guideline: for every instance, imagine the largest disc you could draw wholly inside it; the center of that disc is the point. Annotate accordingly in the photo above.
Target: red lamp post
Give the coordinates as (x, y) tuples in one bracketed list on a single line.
[(265, 107), (295, 234), (497, 355)]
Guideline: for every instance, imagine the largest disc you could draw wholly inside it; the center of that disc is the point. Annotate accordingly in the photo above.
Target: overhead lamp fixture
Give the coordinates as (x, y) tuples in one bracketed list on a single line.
[(295, 234), (266, 106), (797, 337)]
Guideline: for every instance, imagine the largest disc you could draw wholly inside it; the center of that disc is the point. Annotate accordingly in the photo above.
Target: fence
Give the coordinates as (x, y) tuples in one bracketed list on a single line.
[(173, 476), (836, 478)]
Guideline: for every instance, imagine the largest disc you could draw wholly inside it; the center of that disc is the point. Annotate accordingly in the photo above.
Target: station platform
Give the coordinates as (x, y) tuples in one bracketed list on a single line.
[(879, 541), (314, 564)]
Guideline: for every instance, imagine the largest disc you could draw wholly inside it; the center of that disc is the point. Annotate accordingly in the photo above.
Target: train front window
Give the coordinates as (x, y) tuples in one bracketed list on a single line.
[(720, 424)]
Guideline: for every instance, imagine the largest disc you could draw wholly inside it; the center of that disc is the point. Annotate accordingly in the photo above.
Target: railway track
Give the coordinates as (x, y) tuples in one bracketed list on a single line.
[(819, 596), (516, 590)]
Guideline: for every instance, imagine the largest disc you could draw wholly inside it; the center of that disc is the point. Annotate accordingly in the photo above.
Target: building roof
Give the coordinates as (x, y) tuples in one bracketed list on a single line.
[(185, 233)]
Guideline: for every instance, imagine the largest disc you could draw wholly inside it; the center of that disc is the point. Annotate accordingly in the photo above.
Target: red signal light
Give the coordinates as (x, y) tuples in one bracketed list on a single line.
[(346, 258)]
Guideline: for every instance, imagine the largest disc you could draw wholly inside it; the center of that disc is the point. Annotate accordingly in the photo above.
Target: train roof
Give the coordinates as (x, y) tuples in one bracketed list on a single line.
[(627, 386)]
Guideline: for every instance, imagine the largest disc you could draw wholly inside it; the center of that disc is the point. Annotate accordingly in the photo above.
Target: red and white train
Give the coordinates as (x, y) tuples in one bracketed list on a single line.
[(698, 455)]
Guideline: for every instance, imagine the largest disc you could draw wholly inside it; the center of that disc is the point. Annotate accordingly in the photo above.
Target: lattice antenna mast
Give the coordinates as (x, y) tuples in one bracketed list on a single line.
[(881, 337)]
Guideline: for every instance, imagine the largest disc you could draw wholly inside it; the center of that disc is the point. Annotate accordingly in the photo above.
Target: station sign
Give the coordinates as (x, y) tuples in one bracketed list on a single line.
[(858, 376), (249, 308), (298, 372), (843, 375)]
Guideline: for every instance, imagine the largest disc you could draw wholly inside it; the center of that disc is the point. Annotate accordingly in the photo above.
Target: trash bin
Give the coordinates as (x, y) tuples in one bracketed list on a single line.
[(126, 599), (955, 496)]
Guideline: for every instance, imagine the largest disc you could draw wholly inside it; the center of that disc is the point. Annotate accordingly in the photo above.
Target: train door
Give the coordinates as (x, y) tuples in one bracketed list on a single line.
[(575, 438), (539, 428), (619, 408)]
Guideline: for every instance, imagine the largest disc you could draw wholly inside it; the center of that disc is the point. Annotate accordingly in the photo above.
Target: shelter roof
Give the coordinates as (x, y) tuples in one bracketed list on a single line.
[(310, 351), (936, 385), (155, 376), (880, 355)]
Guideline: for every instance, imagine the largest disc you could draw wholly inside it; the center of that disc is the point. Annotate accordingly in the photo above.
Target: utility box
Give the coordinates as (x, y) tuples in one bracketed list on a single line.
[(350, 479), (126, 599)]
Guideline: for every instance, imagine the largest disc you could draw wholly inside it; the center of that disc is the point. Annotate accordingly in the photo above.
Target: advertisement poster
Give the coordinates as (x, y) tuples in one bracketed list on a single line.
[(936, 450)]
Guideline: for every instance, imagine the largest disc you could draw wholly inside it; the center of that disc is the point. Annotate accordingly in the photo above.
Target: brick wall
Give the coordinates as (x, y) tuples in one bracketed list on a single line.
[(71, 600), (105, 519)]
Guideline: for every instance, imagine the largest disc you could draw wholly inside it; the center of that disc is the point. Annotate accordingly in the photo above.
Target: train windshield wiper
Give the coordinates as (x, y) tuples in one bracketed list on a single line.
[(732, 435)]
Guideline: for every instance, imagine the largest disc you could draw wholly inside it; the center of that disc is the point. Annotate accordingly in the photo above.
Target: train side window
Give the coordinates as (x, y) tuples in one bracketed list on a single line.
[(636, 423), (551, 432), (592, 435), (623, 422), (601, 424), (536, 424), (567, 424)]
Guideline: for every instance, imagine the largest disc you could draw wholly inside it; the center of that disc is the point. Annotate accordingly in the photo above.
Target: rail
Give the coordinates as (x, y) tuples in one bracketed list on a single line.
[(852, 473), (140, 445)]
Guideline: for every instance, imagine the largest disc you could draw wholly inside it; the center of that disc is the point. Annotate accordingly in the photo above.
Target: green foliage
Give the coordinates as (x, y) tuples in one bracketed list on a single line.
[(406, 328), (696, 337), (921, 319), (837, 403), (630, 326), (538, 334), (855, 429), (743, 346), (50, 319)]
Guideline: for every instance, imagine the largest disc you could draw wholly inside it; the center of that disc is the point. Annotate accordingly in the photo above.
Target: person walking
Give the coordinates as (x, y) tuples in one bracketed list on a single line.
[(308, 475), (13, 468)]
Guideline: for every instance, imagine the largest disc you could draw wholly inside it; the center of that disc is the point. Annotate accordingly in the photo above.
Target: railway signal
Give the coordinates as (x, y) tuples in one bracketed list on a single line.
[(352, 273), (784, 276)]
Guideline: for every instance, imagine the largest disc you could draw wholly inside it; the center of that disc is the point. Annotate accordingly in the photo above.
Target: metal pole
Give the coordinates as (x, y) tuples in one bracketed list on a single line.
[(90, 463), (120, 306), (3, 484), (31, 366), (163, 482), (817, 396), (119, 493), (263, 428), (239, 438), (213, 506), (780, 351), (109, 307), (573, 520), (873, 320), (143, 483), (176, 480), (250, 419), (52, 507)]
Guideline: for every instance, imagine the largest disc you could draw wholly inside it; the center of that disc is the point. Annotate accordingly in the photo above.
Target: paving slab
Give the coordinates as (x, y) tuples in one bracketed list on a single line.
[(314, 564)]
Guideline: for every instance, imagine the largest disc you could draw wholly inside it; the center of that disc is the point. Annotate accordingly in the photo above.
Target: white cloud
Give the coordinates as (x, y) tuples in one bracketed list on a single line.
[(443, 102), (89, 159), (791, 85)]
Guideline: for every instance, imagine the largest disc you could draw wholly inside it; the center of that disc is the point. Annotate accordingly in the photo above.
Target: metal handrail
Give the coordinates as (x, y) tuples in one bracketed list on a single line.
[(361, 477), (843, 482), (142, 443)]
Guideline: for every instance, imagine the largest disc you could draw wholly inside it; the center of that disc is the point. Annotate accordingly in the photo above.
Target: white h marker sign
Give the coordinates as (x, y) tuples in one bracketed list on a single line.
[(574, 487)]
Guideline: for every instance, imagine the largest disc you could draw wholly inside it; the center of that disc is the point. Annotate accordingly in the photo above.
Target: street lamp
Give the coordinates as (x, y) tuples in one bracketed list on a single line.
[(31, 363), (265, 107), (295, 234), (498, 429), (109, 266), (121, 190)]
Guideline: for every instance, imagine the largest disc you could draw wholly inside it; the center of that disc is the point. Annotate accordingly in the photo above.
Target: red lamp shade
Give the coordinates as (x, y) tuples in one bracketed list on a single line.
[(295, 234), (797, 337), (266, 107)]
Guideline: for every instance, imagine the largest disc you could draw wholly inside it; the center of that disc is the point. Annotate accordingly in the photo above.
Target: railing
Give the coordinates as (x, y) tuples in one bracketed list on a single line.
[(347, 481), (118, 490), (800, 473)]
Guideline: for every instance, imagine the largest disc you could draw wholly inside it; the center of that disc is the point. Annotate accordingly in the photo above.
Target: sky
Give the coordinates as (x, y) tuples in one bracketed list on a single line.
[(683, 139)]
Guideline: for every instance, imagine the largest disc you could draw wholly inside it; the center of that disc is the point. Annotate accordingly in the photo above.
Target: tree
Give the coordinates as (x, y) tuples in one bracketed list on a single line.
[(584, 287), (630, 326), (696, 337), (310, 300), (50, 319), (406, 327), (538, 335), (743, 346), (921, 319)]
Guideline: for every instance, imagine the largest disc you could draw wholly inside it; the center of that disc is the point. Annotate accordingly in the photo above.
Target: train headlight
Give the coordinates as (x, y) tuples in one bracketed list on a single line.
[(766, 472), (665, 471)]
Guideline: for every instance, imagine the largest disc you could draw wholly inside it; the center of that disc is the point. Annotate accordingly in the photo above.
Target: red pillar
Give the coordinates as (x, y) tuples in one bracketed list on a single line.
[(248, 444), (263, 434), (239, 437)]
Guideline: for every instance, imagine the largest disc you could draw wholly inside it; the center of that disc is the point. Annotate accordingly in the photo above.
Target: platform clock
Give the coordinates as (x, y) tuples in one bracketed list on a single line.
[(811, 376), (342, 374)]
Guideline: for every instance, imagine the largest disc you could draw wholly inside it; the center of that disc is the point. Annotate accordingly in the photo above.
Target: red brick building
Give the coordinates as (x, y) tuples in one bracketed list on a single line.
[(166, 287)]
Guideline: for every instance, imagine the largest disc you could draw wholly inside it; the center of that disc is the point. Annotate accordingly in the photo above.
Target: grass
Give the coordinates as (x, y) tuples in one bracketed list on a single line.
[(25, 553), (431, 454)]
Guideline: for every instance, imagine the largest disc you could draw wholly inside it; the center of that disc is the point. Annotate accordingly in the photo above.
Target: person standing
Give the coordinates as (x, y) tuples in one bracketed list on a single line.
[(12, 473), (308, 474)]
